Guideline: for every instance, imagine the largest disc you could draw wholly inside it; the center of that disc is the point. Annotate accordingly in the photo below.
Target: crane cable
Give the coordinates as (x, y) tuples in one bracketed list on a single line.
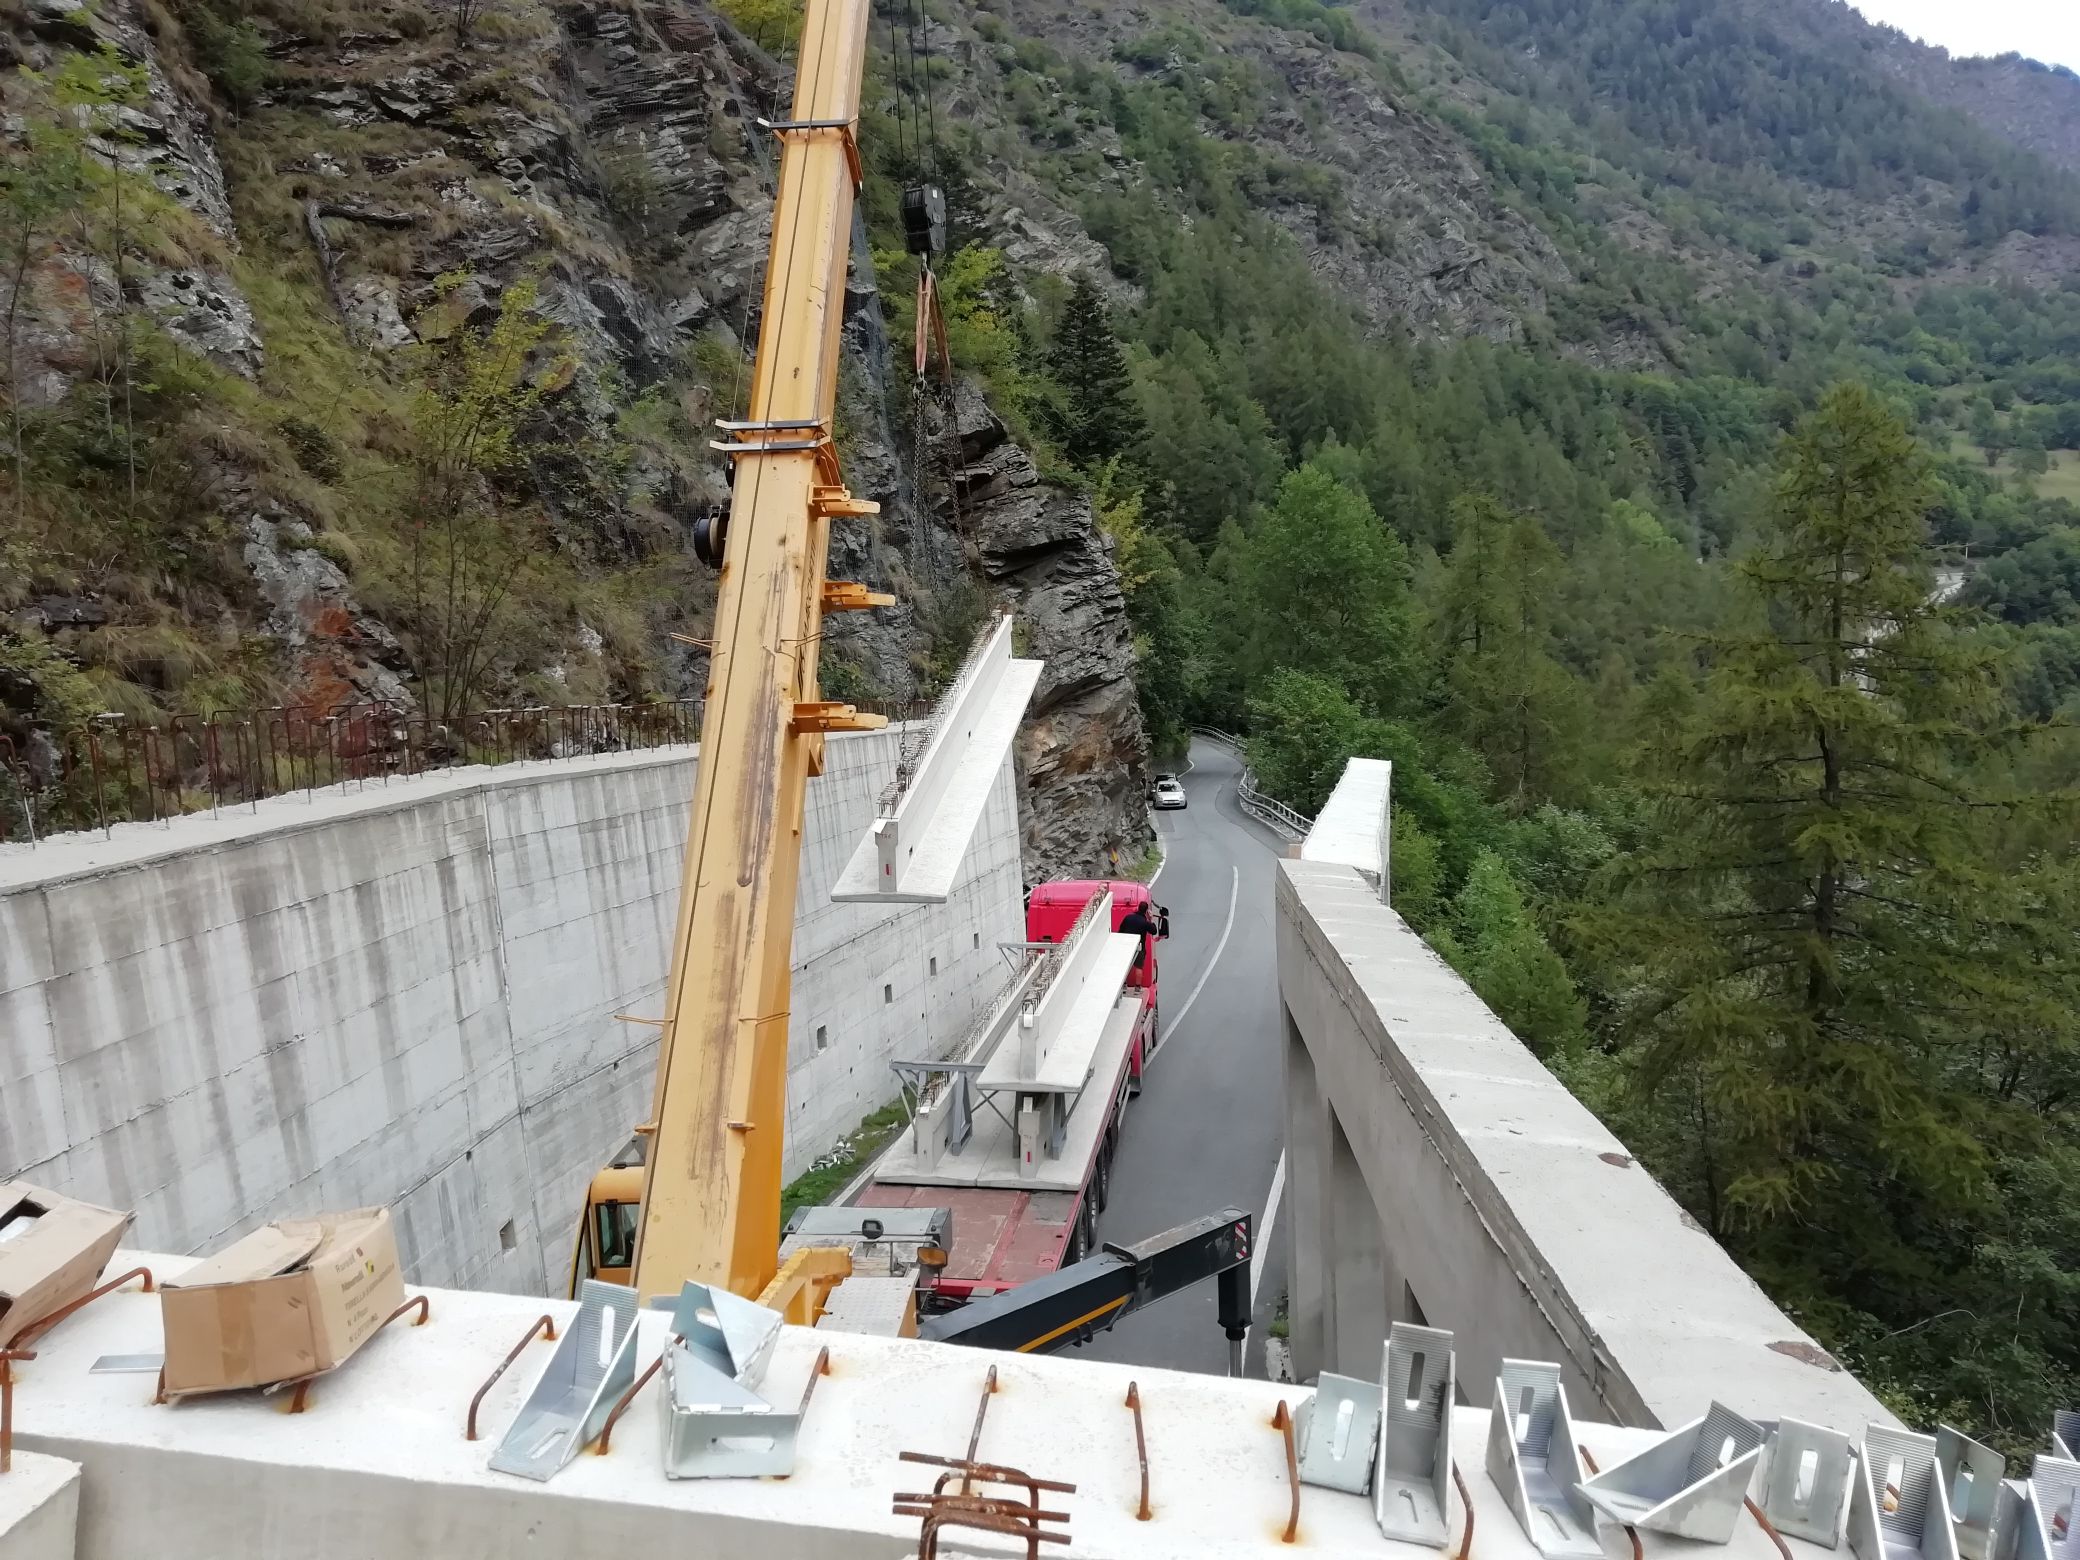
[(930, 319)]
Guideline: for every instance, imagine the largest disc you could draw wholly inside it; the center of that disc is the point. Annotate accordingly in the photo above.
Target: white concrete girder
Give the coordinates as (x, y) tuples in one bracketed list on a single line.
[(913, 851)]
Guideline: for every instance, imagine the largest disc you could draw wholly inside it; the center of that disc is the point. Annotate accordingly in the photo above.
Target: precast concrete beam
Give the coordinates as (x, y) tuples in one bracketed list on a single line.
[(913, 851)]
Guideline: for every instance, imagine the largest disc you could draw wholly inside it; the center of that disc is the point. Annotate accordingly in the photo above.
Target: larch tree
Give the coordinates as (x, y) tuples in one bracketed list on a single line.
[(1832, 939)]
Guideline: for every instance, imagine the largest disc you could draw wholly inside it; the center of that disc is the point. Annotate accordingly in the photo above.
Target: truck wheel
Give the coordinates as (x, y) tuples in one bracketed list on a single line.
[(1104, 1177), (1079, 1241), (1090, 1225)]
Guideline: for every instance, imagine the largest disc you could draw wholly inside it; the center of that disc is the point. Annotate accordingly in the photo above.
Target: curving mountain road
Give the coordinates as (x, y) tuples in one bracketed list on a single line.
[(1209, 1128)]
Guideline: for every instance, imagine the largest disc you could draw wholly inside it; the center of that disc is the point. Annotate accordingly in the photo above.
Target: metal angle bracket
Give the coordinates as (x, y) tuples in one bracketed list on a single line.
[(1970, 1479), (912, 853), (716, 1425), (1533, 1460), (1690, 1483), (2049, 1500), (1338, 1431), (1898, 1510), (594, 1363), (1806, 1487), (1410, 1487)]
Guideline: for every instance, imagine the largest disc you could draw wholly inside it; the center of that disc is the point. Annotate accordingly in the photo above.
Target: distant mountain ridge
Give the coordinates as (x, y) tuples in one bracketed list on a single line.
[(2024, 101)]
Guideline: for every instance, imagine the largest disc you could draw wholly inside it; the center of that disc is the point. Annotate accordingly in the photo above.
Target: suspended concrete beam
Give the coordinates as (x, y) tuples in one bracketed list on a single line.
[(913, 852)]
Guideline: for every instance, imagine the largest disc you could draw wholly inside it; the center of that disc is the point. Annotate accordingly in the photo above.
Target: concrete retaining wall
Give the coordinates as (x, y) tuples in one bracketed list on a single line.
[(406, 996), (1440, 1174)]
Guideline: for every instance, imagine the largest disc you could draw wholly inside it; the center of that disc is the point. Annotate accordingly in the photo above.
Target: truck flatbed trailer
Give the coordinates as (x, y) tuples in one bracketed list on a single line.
[(1009, 1227)]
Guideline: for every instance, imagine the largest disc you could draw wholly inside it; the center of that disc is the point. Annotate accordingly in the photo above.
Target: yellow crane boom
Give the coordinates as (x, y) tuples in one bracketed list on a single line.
[(712, 1176)]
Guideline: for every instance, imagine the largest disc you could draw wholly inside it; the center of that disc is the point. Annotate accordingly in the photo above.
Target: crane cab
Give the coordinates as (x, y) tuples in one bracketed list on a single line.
[(606, 1248)]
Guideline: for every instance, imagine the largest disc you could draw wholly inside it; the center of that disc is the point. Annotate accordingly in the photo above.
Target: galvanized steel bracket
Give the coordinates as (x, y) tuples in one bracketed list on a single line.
[(1806, 1487), (1690, 1483), (1410, 1487), (1899, 1510), (1533, 1460), (1338, 1432), (594, 1363), (716, 1425)]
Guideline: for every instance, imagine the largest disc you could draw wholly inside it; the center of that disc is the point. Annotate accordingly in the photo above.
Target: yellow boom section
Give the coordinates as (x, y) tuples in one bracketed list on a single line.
[(711, 1188)]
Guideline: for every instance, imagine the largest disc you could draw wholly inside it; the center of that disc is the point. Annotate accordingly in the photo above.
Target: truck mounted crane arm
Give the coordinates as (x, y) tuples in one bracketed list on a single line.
[(712, 1178), (1085, 1298)]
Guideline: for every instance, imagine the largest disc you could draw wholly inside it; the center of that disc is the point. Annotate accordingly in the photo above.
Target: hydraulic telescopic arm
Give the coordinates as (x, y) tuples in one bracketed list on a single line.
[(712, 1178)]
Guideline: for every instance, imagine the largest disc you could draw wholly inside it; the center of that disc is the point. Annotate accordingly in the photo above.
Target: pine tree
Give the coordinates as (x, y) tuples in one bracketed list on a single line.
[(1835, 946), (1097, 418)]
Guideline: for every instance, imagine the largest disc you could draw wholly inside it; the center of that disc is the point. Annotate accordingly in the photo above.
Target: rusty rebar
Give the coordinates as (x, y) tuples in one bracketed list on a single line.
[(1466, 1500), (1631, 1532), (44, 1324), (1141, 1513), (299, 1400), (1282, 1421), (1768, 1526), (982, 1513), (545, 1327), (989, 1390), (8, 1357), (606, 1433), (817, 1372)]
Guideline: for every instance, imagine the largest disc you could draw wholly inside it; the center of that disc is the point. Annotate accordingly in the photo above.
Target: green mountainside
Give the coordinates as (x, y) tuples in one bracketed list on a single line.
[(1654, 424)]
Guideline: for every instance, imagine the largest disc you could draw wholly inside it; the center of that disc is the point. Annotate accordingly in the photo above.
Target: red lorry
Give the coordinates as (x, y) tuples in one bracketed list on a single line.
[(1020, 1148)]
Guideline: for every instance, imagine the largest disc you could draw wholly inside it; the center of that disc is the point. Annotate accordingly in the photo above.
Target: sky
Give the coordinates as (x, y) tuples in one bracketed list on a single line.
[(2047, 30)]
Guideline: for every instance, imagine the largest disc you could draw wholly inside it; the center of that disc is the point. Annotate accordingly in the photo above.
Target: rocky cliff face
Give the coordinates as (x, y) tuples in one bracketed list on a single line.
[(1083, 753), (396, 177)]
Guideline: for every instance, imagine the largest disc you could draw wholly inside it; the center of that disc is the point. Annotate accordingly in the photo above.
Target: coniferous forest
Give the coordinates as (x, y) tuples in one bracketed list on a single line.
[(1652, 424), (1722, 619)]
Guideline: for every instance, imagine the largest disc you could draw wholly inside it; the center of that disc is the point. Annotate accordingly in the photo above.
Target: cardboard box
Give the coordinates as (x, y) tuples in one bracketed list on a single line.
[(290, 1300), (52, 1251)]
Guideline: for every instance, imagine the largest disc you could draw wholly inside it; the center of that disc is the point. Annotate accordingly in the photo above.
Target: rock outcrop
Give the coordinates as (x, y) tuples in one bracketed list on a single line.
[(392, 181), (1083, 751)]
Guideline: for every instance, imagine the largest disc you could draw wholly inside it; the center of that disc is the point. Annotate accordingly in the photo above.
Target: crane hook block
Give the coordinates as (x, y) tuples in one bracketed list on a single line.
[(924, 219), (710, 531)]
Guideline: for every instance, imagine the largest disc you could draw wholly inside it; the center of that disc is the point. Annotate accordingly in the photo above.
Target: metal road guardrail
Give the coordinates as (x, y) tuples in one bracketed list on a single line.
[(1265, 808), (117, 770)]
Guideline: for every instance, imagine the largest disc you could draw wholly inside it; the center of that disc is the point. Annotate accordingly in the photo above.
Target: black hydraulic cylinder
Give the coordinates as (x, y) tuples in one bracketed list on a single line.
[(1082, 1300)]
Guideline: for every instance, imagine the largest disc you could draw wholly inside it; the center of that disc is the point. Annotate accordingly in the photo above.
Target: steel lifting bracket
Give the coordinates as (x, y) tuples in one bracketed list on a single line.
[(1806, 1487), (594, 1363), (1690, 1483), (1338, 1430), (1533, 1460), (717, 1424), (1409, 1490), (1898, 1511)]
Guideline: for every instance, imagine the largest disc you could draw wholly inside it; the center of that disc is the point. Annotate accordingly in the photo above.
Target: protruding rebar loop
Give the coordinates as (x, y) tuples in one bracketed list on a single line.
[(1282, 1421), (8, 1358), (44, 1324), (299, 1400), (1768, 1527), (1466, 1500), (606, 1434), (544, 1327), (1142, 1512), (1631, 1532)]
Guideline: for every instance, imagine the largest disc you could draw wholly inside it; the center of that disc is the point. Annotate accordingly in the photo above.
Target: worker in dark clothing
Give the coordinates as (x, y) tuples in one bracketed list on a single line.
[(1138, 923)]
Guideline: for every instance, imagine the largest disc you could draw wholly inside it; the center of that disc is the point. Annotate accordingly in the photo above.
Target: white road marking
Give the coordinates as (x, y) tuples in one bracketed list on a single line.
[(1171, 1025), (1256, 1271)]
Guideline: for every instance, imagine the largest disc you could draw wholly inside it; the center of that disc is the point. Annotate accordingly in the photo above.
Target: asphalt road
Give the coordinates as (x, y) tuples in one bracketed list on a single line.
[(1209, 1127)]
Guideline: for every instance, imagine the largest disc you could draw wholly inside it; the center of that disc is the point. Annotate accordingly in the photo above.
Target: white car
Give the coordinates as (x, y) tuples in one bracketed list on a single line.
[(1168, 794)]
